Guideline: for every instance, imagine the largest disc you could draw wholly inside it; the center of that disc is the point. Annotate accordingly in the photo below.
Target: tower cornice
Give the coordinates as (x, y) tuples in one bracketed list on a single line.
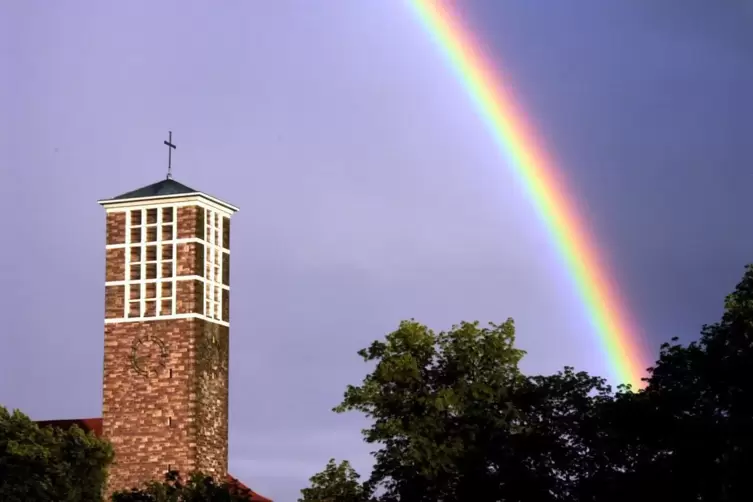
[(161, 200), (161, 193)]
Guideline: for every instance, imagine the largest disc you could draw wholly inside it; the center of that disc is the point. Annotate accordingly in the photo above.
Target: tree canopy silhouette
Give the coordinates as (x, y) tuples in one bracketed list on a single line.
[(454, 419), (49, 464), (196, 487), (337, 482)]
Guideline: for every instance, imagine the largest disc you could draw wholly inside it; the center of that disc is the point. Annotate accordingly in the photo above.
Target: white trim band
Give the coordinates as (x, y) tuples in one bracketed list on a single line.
[(182, 240), (166, 318), (165, 279), (191, 199)]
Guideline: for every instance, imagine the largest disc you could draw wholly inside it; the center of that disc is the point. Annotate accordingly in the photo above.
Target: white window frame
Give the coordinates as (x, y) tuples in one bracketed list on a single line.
[(143, 263), (214, 248)]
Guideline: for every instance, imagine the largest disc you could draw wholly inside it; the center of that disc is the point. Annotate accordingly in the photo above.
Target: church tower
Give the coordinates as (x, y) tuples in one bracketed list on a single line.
[(167, 288)]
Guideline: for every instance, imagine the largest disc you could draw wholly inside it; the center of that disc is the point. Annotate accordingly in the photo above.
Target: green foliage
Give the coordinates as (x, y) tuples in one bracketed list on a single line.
[(49, 464), (455, 420), (197, 488), (455, 417), (337, 483), (690, 429)]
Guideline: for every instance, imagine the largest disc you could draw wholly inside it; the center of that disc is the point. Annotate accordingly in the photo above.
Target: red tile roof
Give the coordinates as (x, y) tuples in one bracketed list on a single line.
[(95, 425), (87, 424), (255, 497)]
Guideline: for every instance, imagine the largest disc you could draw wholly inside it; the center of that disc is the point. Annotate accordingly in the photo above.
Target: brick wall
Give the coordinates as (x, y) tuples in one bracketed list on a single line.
[(190, 222), (115, 232), (114, 302), (212, 398), (177, 415), (190, 258)]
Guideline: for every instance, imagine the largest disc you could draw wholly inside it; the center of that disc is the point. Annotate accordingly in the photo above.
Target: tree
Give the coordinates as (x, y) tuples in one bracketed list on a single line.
[(336, 483), (457, 420), (49, 464), (696, 411), (197, 488)]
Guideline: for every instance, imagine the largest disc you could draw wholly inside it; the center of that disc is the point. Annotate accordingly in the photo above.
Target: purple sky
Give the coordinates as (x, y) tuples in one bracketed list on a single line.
[(370, 190)]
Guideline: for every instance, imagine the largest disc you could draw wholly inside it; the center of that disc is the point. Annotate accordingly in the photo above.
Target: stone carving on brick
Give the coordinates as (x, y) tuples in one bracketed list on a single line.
[(148, 355)]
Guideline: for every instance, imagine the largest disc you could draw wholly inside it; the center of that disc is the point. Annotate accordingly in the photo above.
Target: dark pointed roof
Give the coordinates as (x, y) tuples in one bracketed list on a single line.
[(165, 187)]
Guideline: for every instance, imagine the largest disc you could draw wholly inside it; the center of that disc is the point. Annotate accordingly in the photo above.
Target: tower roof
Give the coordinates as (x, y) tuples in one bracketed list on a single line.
[(166, 188)]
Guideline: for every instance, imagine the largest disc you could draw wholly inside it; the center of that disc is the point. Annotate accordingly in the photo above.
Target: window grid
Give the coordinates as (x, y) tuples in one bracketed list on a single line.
[(142, 284), (174, 236), (149, 291), (213, 264), (158, 292), (127, 298), (151, 267)]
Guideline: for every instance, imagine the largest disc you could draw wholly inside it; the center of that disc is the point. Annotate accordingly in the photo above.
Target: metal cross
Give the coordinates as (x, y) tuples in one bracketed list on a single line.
[(170, 149)]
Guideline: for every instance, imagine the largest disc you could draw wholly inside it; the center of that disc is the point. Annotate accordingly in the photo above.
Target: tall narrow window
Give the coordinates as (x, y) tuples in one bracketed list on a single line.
[(213, 263), (150, 256)]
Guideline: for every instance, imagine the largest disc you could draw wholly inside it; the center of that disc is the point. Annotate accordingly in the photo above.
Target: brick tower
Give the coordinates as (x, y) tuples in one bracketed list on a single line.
[(165, 388)]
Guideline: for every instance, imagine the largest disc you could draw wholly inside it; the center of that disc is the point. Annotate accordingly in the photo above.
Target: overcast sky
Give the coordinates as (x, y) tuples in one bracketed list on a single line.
[(370, 190)]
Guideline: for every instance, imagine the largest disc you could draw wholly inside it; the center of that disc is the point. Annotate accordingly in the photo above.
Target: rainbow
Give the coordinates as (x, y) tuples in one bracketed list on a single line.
[(620, 344)]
